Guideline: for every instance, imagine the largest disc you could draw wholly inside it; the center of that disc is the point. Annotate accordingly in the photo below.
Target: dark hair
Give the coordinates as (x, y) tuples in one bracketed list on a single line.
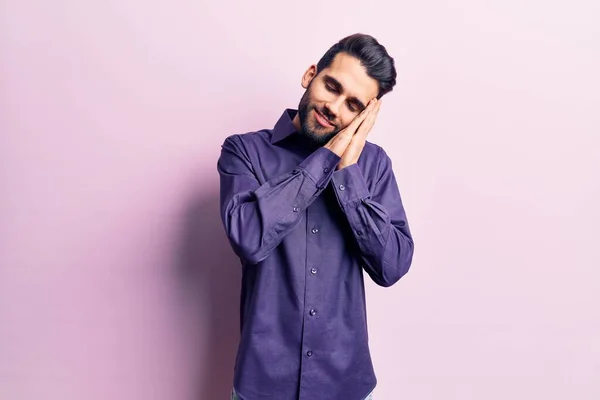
[(372, 55)]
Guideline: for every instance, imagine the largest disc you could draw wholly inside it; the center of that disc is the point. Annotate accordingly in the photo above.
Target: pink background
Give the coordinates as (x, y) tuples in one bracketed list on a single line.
[(116, 281)]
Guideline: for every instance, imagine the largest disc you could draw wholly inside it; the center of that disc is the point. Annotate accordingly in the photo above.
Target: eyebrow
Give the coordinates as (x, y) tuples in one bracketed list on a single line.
[(339, 87)]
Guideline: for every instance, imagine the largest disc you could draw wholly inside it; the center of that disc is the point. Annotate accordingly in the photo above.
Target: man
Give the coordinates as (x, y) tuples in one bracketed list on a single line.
[(307, 206)]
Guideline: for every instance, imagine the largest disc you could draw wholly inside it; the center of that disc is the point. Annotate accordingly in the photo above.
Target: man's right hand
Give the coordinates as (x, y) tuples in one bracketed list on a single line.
[(341, 140)]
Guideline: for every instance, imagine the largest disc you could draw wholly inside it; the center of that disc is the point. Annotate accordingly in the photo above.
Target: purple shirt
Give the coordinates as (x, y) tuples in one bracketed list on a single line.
[(305, 233)]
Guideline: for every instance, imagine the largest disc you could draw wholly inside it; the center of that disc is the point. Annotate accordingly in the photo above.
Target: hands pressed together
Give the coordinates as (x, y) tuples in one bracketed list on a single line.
[(350, 141)]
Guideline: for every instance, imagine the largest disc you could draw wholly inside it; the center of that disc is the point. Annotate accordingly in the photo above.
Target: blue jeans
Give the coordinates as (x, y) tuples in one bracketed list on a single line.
[(234, 396)]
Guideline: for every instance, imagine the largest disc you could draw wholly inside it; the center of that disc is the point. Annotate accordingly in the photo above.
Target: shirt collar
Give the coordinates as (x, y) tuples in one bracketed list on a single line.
[(284, 127)]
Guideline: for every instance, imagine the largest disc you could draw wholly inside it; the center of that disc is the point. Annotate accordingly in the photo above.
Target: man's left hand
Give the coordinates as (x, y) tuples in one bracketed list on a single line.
[(357, 143)]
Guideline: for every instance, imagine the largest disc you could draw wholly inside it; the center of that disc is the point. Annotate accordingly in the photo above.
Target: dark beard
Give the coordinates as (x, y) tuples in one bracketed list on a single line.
[(304, 108)]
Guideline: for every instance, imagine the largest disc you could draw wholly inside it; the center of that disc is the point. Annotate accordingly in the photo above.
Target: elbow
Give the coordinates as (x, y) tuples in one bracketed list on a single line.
[(392, 276), (246, 249), (387, 281), (253, 258), (394, 271), (249, 255)]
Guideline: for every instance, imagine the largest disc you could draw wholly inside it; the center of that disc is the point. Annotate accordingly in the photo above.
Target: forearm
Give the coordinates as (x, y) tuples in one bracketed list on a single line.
[(258, 216), (378, 223)]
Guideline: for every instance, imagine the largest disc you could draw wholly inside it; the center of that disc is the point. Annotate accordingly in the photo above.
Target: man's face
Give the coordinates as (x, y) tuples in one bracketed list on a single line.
[(334, 97)]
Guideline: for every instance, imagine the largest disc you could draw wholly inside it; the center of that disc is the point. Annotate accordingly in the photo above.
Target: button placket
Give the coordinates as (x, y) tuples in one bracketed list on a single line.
[(311, 301)]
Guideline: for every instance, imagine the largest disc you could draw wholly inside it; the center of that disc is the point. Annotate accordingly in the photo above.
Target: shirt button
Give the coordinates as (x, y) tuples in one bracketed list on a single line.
[(315, 230), (309, 353), (295, 209), (326, 170), (312, 312), (342, 187), (359, 233), (313, 271)]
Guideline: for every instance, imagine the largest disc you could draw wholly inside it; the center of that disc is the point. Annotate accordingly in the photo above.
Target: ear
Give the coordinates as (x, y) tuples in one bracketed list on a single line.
[(308, 76)]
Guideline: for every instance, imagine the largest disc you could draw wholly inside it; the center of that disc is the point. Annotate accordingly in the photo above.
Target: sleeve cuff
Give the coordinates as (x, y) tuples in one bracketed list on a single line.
[(349, 184), (320, 165)]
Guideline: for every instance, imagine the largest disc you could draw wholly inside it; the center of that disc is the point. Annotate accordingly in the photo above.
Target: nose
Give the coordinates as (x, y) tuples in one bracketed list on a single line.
[(334, 107)]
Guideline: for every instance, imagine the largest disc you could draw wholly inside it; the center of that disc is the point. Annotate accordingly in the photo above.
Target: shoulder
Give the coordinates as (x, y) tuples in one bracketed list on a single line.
[(376, 155), (373, 148), (247, 138), (373, 162), (247, 141)]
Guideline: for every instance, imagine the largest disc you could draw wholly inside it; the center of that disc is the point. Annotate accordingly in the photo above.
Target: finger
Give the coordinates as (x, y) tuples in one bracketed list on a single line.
[(344, 137), (372, 114), (358, 120), (375, 111), (363, 130), (367, 125)]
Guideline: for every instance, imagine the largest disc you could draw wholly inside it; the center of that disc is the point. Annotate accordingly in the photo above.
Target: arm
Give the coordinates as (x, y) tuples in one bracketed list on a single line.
[(257, 217), (377, 220)]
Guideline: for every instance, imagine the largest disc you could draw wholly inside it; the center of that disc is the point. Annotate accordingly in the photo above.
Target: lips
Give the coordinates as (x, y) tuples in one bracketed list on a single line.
[(324, 122)]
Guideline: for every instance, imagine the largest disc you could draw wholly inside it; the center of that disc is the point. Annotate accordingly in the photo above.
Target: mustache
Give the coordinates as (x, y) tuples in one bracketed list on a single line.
[(327, 115)]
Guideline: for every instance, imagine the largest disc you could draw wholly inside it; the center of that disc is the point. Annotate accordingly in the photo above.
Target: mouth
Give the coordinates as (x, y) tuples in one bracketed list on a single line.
[(324, 122)]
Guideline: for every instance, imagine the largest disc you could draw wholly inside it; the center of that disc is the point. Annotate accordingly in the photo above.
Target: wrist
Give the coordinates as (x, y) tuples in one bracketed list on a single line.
[(343, 165)]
